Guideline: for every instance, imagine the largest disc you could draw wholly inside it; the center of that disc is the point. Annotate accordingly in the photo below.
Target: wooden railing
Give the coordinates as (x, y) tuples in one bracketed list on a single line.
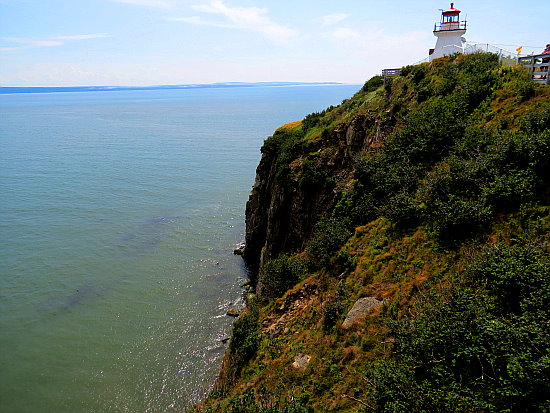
[(387, 73), (539, 67)]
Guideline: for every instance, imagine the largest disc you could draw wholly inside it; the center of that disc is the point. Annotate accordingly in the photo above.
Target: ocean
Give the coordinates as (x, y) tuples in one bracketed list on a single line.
[(119, 212)]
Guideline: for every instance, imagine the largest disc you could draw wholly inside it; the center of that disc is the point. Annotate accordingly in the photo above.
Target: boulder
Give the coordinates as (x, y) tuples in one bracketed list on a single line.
[(301, 361), (360, 309), (233, 312), (240, 249)]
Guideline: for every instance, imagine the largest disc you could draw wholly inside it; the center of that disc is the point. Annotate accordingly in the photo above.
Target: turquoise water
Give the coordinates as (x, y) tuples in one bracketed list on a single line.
[(119, 212)]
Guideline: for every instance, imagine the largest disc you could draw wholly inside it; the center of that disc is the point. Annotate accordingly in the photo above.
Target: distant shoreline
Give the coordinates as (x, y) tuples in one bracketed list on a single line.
[(8, 90)]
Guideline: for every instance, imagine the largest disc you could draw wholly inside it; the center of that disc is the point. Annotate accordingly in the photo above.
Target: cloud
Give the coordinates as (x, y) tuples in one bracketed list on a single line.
[(240, 18), (51, 41), (198, 21), (332, 19), (81, 37), (163, 4)]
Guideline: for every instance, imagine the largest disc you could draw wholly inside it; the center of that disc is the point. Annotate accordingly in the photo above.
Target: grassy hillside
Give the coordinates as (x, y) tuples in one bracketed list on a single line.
[(435, 207)]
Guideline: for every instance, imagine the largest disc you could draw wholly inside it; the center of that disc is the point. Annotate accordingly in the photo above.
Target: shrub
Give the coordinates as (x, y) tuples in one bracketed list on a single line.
[(356, 207), (314, 177), (518, 276), (417, 72), (264, 401), (373, 83), (508, 191), (388, 85), (285, 145), (477, 348), (537, 121), (454, 219), (244, 340), (331, 313), (328, 237), (432, 130), (279, 275), (402, 210), (315, 119), (524, 87)]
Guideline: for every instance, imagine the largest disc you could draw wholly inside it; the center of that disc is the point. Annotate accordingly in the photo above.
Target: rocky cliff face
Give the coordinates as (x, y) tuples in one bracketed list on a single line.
[(281, 213)]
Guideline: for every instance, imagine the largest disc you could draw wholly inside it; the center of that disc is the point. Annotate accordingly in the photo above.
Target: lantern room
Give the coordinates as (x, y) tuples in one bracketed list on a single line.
[(450, 19)]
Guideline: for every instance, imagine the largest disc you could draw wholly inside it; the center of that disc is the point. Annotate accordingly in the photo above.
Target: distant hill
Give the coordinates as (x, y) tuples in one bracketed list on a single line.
[(399, 251), (65, 89)]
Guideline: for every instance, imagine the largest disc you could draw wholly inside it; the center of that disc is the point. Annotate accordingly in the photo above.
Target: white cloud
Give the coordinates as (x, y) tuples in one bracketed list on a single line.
[(52, 41), (199, 21), (332, 19), (242, 18), (81, 37), (163, 4), (28, 43)]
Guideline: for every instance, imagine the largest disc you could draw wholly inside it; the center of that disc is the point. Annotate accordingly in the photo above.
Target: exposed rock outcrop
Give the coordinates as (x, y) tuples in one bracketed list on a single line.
[(360, 310), (281, 214), (301, 361)]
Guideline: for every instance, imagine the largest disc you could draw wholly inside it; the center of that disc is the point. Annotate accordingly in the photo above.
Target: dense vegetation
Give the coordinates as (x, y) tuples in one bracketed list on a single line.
[(443, 213)]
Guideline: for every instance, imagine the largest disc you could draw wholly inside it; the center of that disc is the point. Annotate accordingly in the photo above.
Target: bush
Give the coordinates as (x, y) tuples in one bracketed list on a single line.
[(477, 348), (518, 276), (388, 85), (314, 119), (417, 72), (524, 87), (329, 236), (264, 401), (244, 340), (432, 130), (331, 313), (403, 211), (313, 177), (279, 275), (454, 219), (373, 83), (356, 207), (285, 145), (537, 121), (508, 191)]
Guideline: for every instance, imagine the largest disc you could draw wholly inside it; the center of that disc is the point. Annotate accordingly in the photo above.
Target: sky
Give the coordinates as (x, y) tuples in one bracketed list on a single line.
[(162, 42)]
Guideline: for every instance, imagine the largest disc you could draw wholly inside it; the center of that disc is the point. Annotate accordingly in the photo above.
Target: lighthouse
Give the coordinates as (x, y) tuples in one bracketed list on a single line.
[(449, 34)]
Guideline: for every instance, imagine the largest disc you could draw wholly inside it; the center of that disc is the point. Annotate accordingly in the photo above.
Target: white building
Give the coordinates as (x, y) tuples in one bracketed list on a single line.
[(449, 34)]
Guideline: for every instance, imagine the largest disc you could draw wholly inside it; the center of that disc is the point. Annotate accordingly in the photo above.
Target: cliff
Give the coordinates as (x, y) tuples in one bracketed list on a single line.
[(399, 248)]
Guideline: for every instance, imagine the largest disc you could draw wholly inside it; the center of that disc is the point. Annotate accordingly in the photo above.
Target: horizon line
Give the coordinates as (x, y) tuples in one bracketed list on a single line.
[(105, 88)]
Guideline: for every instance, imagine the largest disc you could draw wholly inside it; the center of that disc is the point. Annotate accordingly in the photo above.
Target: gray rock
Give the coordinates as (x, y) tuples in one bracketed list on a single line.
[(360, 309), (233, 312), (301, 361), (240, 249)]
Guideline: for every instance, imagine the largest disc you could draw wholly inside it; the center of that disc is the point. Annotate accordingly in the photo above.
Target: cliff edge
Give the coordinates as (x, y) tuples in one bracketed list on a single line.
[(399, 251)]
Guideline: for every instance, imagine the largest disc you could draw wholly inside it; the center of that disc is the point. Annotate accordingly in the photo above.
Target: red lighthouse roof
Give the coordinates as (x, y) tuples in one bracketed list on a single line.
[(452, 10)]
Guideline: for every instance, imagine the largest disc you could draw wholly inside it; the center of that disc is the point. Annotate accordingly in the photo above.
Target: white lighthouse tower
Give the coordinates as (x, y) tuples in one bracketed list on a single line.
[(449, 34)]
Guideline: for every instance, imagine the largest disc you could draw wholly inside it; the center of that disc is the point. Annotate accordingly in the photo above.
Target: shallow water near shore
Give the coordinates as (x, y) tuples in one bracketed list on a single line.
[(119, 212)]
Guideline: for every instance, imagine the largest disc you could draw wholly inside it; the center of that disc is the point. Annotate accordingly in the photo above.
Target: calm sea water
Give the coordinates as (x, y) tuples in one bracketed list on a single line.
[(119, 212)]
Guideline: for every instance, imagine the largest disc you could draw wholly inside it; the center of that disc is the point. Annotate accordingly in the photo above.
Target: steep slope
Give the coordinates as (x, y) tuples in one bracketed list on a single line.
[(401, 247)]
